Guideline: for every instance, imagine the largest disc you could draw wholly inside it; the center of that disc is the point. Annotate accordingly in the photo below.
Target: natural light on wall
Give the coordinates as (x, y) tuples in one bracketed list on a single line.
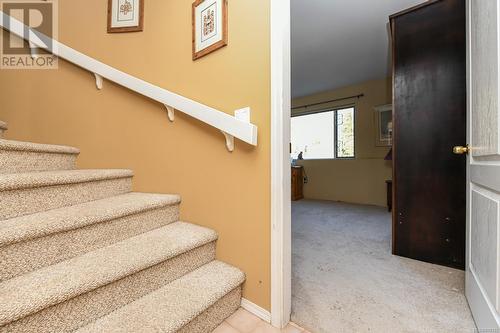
[(324, 135)]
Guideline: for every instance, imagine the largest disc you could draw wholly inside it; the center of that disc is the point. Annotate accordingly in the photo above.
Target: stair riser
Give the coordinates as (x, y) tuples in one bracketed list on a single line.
[(27, 256), (12, 161), (28, 201), (81, 310), (211, 318)]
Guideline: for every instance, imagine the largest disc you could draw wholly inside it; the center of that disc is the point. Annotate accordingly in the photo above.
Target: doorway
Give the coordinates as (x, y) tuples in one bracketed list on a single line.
[(327, 211)]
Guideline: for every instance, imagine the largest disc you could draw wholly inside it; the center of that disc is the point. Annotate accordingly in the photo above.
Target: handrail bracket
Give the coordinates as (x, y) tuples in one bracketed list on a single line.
[(170, 113), (229, 141), (98, 81), (34, 51)]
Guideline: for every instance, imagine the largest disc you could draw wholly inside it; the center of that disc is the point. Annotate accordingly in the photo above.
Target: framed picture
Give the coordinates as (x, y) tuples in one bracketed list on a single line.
[(209, 26), (383, 125), (125, 15)]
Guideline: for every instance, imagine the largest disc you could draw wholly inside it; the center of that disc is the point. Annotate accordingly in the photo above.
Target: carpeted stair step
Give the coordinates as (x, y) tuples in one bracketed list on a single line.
[(33, 241), (196, 303), (19, 156), (3, 128), (78, 291), (28, 193)]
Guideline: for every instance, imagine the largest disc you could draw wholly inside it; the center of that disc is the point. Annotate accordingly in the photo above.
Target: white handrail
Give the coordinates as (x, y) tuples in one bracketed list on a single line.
[(229, 125)]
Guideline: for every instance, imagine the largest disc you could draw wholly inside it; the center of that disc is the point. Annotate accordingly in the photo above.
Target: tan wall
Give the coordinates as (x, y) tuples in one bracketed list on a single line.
[(361, 180), (118, 129)]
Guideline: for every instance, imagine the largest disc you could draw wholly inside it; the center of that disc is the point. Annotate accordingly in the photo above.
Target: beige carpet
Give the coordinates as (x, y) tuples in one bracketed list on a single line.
[(346, 280), (80, 251)]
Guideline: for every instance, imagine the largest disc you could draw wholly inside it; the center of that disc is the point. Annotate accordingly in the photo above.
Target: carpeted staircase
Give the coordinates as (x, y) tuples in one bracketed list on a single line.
[(80, 252)]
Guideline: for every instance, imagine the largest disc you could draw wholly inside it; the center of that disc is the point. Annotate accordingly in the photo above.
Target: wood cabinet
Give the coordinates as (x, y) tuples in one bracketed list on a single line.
[(429, 84), (297, 183)]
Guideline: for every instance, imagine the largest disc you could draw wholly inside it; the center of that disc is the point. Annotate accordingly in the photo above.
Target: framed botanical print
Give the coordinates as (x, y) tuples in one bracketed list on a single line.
[(383, 125), (209, 26), (125, 15)]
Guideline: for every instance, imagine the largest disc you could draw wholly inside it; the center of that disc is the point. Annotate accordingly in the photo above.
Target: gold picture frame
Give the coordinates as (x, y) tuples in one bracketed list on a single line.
[(125, 16), (383, 125), (210, 26)]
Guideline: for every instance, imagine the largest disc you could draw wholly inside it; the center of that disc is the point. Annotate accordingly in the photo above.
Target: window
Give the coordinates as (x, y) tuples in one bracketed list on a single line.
[(344, 133), (324, 135)]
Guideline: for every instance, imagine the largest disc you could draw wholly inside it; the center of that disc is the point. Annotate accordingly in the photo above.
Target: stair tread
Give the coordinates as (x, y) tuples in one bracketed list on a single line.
[(26, 180), (73, 217), (173, 306), (37, 147), (34, 291), (3, 125)]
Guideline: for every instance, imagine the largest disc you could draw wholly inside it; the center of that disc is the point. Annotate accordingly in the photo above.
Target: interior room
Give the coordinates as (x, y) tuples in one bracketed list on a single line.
[(345, 276)]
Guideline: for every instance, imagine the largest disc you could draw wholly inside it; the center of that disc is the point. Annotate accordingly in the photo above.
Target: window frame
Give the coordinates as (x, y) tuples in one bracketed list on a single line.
[(335, 136)]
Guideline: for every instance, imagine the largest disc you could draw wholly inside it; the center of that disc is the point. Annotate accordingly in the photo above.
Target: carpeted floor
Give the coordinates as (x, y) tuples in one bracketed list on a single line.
[(346, 280)]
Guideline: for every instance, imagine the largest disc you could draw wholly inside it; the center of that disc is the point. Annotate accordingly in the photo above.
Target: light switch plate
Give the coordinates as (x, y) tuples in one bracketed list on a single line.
[(243, 114)]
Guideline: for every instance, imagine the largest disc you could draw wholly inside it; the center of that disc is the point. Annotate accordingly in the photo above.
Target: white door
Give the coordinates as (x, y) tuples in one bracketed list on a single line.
[(483, 211)]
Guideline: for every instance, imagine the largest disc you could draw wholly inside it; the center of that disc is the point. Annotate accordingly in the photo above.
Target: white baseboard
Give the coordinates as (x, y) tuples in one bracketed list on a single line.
[(256, 310)]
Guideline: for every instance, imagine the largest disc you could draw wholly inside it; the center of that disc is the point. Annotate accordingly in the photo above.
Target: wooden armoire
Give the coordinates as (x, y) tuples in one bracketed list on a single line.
[(429, 103)]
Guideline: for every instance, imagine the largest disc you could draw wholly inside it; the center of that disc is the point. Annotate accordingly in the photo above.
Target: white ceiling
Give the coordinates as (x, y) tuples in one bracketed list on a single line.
[(336, 43)]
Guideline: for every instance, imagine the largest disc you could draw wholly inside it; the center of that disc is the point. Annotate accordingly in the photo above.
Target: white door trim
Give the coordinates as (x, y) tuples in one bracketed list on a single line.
[(281, 274)]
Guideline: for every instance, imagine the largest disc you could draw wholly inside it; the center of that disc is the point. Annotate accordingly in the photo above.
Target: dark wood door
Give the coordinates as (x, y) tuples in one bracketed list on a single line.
[(429, 54)]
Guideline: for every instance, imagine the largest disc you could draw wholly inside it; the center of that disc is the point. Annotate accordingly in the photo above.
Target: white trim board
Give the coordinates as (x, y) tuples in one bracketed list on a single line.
[(281, 262), (256, 310)]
